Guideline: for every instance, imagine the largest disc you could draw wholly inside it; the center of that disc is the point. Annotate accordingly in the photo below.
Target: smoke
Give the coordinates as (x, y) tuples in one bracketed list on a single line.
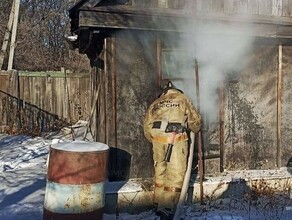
[(221, 52)]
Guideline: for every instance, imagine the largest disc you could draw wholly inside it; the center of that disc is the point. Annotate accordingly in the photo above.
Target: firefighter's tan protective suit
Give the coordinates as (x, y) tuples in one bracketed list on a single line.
[(171, 107)]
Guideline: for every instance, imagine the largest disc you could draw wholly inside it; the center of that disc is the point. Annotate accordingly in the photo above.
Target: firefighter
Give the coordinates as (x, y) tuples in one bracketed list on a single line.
[(167, 122)]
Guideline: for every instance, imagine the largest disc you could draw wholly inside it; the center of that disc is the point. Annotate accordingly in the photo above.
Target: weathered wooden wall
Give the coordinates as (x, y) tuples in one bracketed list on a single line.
[(35, 102), (136, 80), (286, 120), (251, 113), (281, 8), (127, 81)]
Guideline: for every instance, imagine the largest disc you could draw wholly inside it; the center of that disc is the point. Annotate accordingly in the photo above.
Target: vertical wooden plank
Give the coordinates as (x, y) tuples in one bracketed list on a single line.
[(83, 97), (235, 6), (25, 103), (38, 86), (78, 99), (102, 75), (9, 106), (2, 105), (228, 6), (142, 2), (177, 4), (218, 6), (43, 101), (61, 97), (21, 87), (204, 5), (54, 98), (106, 83), (49, 97), (265, 7), (74, 96), (287, 8), (221, 125), (199, 5), (95, 121), (58, 99), (240, 6), (279, 106), (30, 101), (253, 7), (191, 5), (163, 3), (153, 3), (80, 89), (68, 98), (113, 121), (277, 7), (4, 98), (88, 98), (65, 97)]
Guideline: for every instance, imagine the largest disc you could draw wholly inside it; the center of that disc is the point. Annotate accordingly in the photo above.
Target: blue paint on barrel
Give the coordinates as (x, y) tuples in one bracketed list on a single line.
[(63, 198)]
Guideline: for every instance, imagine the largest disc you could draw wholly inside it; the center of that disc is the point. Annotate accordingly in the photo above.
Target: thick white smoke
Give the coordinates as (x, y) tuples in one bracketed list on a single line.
[(221, 51)]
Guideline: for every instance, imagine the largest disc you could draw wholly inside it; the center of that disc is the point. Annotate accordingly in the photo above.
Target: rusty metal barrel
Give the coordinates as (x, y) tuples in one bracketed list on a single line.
[(76, 173)]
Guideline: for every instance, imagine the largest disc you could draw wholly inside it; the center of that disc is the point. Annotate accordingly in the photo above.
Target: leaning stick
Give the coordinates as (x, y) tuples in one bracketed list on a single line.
[(92, 112)]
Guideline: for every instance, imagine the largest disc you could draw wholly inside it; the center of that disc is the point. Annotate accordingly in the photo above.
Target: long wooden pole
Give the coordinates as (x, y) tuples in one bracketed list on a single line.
[(279, 107), (7, 35), (13, 35), (200, 150), (221, 127), (92, 111)]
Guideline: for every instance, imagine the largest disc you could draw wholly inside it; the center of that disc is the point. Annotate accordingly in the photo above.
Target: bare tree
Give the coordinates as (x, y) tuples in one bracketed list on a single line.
[(40, 43)]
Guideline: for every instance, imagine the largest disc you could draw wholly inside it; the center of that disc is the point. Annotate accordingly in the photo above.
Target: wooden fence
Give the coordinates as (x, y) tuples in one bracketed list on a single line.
[(32, 102)]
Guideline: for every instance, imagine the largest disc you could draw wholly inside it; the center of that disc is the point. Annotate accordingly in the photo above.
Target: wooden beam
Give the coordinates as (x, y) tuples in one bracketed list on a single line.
[(128, 21), (260, 26), (186, 13)]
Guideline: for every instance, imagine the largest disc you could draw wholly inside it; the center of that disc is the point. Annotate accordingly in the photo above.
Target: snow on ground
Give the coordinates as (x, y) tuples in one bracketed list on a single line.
[(22, 188)]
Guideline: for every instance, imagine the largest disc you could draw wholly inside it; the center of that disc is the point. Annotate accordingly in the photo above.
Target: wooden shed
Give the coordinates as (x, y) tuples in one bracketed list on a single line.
[(243, 49)]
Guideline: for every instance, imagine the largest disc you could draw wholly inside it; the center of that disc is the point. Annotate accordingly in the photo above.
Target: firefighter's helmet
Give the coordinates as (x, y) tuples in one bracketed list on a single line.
[(169, 85)]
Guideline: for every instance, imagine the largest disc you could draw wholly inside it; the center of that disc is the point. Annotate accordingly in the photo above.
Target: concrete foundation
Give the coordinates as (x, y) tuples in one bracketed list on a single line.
[(133, 196)]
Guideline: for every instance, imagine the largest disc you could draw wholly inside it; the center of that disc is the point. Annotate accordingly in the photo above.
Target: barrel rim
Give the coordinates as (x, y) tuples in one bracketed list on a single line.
[(79, 152), (103, 147)]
